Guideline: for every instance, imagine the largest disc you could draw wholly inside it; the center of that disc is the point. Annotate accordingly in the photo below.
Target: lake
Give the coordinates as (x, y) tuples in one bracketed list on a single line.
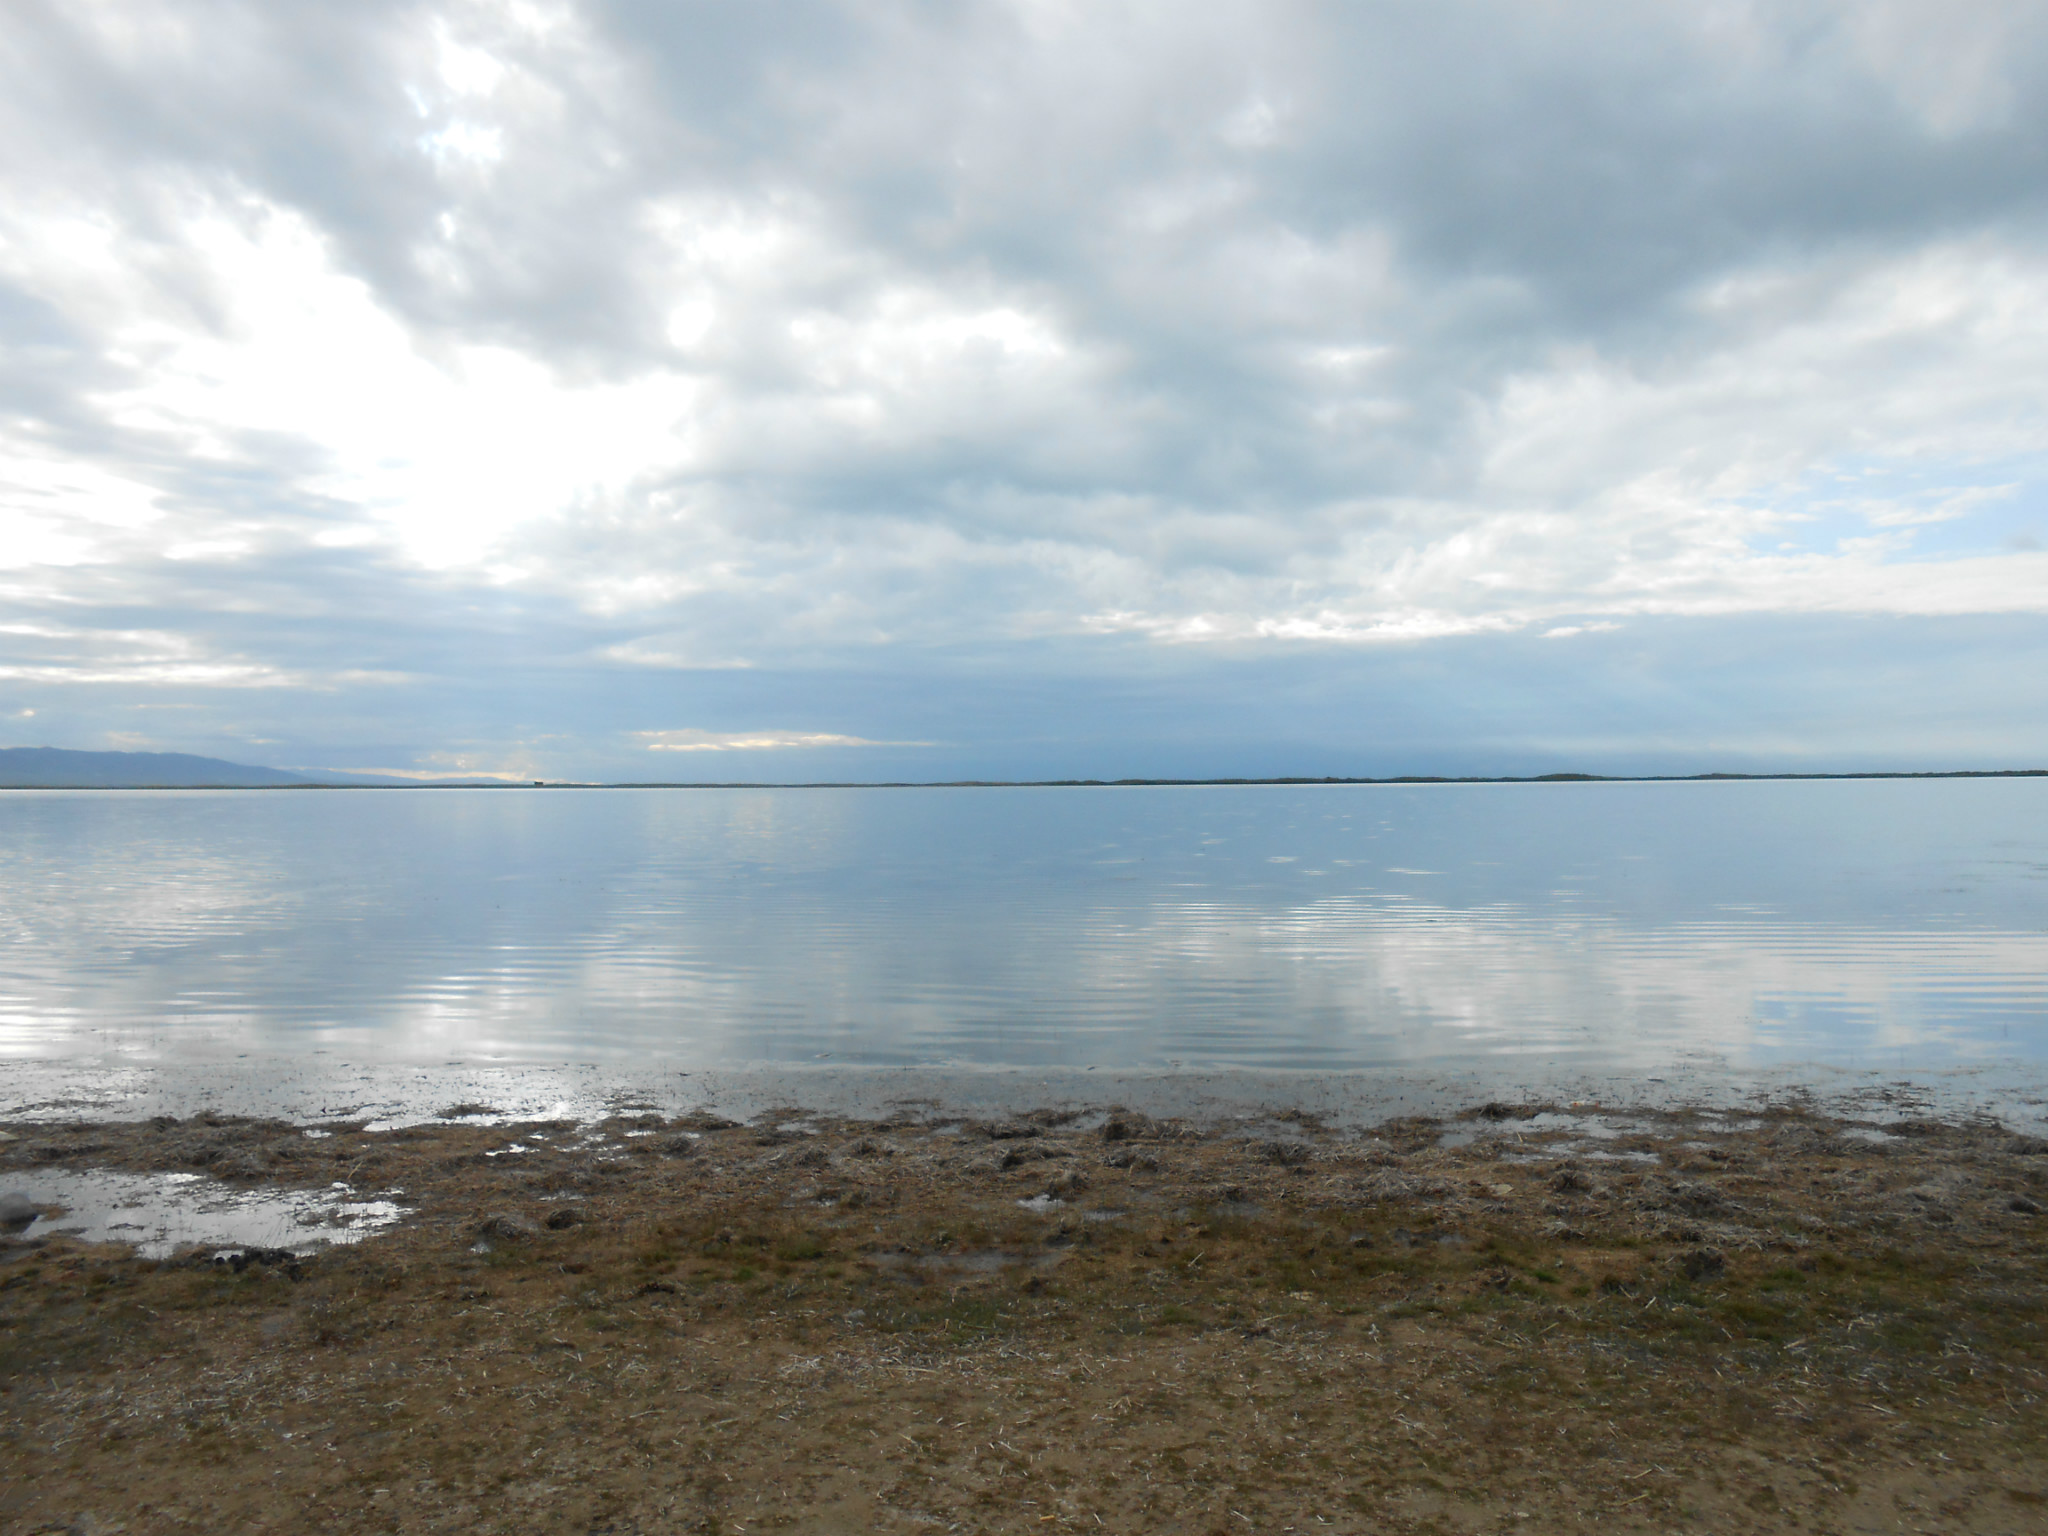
[(1865, 924)]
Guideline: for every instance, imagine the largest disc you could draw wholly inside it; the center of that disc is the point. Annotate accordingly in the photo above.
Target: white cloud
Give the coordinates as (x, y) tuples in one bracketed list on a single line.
[(756, 741), (1283, 329)]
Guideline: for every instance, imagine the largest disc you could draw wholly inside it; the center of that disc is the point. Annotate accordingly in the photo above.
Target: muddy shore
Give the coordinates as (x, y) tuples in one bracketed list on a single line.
[(1515, 1318)]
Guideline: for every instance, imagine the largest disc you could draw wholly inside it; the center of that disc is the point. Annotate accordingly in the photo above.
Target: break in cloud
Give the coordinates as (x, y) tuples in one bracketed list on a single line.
[(530, 386), (757, 741)]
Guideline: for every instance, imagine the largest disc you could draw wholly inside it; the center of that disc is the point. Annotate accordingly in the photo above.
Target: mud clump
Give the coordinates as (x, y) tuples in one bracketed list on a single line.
[(283, 1260), (1703, 1264), (1017, 1157), (1496, 1111), (508, 1227), (1286, 1154), (1130, 1125)]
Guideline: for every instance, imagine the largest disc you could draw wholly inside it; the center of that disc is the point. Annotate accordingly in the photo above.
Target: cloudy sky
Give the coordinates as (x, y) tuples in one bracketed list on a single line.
[(800, 390)]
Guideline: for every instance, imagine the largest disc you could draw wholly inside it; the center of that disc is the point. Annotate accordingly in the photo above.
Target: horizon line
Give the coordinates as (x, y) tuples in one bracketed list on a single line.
[(1296, 780)]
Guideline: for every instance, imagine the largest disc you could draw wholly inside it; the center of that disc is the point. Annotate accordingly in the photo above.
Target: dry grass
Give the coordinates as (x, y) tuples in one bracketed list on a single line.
[(851, 1327)]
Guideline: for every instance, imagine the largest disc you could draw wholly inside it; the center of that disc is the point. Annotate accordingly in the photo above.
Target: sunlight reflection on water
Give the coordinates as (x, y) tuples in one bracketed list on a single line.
[(159, 1214)]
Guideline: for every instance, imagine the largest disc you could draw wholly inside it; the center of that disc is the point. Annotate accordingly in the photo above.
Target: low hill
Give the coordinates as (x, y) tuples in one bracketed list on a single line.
[(57, 768)]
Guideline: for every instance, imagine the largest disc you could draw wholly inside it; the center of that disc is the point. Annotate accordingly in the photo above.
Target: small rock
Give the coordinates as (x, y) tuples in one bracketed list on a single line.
[(16, 1209), (508, 1226)]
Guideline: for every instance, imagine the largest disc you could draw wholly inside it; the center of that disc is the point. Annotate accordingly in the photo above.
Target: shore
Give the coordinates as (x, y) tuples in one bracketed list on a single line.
[(1513, 1317)]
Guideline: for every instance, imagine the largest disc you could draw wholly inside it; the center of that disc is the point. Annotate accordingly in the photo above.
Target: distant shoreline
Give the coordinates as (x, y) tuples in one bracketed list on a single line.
[(1295, 781)]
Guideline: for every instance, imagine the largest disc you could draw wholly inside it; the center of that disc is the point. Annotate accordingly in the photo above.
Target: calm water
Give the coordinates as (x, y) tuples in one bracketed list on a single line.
[(1865, 924)]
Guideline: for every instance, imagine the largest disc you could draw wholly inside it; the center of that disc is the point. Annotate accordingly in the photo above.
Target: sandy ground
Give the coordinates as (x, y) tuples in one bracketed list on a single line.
[(1510, 1321)]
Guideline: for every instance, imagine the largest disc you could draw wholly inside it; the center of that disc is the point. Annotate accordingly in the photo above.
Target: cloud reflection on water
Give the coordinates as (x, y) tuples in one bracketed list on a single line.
[(1614, 924)]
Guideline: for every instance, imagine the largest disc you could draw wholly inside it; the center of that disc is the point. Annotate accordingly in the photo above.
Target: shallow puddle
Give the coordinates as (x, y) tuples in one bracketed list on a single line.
[(159, 1214)]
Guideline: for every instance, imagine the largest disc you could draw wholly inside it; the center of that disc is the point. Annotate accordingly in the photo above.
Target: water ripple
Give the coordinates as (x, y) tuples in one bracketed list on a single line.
[(1321, 927)]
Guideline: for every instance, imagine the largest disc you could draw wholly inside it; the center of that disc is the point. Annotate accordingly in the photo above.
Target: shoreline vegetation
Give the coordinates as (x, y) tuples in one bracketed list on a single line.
[(1523, 1317)]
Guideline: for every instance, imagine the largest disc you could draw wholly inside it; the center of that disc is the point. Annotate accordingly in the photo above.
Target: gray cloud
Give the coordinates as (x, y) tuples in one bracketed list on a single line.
[(365, 348)]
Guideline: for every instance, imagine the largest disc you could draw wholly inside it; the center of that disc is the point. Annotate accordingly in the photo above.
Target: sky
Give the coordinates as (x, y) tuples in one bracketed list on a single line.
[(796, 391)]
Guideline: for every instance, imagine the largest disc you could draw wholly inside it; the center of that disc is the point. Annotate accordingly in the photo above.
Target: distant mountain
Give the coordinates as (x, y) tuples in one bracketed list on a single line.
[(56, 768)]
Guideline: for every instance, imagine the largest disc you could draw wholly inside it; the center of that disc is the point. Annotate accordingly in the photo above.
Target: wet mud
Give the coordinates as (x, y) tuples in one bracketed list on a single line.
[(1517, 1317)]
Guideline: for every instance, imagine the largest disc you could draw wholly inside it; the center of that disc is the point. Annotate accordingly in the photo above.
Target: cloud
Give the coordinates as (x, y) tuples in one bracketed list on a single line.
[(361, 348), (423, 774), (757, 741)]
